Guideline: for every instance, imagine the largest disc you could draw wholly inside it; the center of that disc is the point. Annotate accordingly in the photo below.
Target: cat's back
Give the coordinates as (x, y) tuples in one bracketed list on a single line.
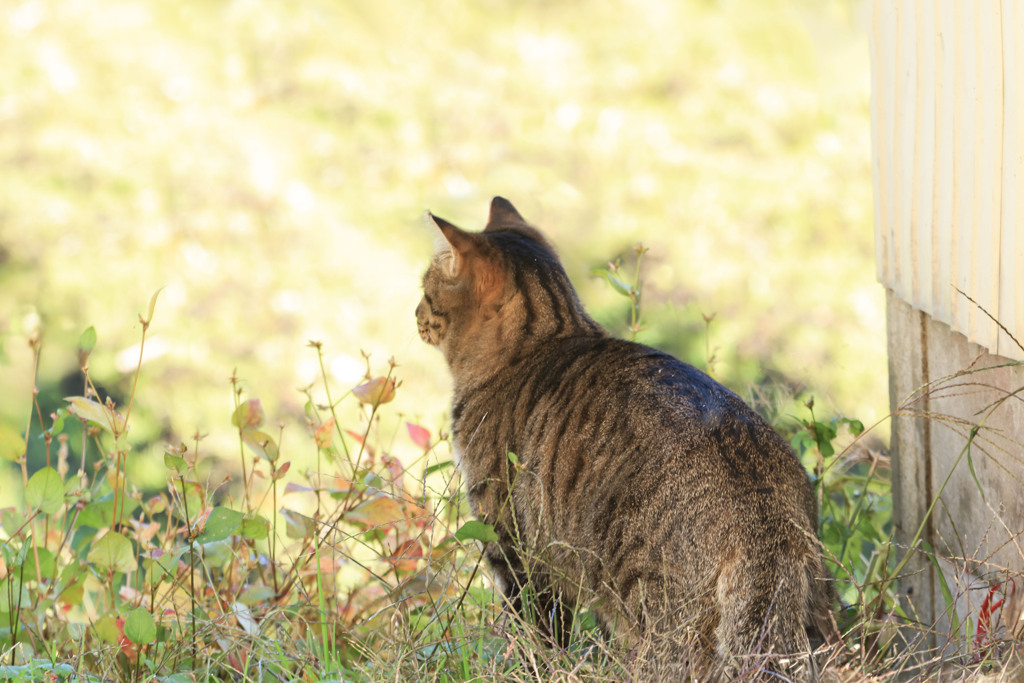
[(643, 394), (601, 421)]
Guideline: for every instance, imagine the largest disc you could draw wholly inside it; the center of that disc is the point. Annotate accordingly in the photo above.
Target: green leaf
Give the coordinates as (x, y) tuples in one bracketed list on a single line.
[(856, 426), (824, 433), (47, 564), (152, 306), (175, 462), (947, 595), (617, 284), (217, 554), (478, 530), (179, 678), (440, 466), (113, 553), (164, 565), (139, 627), (221, 523), (11, 522), (513, 458), (45, 491), (121, 444), (297, 525), (38, 669), (254, 595), (261, 443), (831, 536), (255, 528), (371, 480), (14, 593), (12, 445), (73, 573), (106, 628), (58, 421), (87, 341), (74, 594), (100, 513), (22, 553), (97, 413), (802, 441), (7, 553), (970, 461)]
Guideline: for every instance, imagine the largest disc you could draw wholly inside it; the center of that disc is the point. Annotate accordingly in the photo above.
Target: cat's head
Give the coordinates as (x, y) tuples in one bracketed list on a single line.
[(491, 295)]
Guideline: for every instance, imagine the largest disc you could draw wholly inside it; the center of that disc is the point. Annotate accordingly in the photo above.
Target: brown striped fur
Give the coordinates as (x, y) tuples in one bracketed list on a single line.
[(643, 488)]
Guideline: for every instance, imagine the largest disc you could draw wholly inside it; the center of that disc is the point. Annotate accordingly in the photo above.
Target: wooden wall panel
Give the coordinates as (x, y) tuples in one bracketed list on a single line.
[(947, 119)]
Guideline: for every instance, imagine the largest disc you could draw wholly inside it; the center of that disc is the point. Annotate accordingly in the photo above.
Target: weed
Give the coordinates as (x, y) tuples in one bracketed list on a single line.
[(365, 567)]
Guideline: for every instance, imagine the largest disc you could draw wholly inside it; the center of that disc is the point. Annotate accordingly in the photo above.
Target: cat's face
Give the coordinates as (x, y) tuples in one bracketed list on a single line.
[(490, 296), (467, 282), (440, 295)]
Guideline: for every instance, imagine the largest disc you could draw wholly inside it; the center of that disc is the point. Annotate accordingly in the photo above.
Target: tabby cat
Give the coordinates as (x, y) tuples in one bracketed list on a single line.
[(637, 485)]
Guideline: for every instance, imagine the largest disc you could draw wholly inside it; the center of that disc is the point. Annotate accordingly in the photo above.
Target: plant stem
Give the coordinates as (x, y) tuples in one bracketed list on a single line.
[(191, 566), (236, 393), (36, 346), (330, 401)]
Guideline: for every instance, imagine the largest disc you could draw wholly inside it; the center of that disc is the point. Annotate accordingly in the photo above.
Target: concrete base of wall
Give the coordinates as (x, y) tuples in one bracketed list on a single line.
[(958, 477)]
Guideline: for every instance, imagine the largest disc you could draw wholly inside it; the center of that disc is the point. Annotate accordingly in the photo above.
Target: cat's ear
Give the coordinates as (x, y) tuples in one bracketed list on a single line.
[(502, 213), (458, 240), (487, 275)]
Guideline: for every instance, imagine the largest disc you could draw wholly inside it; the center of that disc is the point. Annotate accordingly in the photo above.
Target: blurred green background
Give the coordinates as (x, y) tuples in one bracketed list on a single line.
[(268, 163)]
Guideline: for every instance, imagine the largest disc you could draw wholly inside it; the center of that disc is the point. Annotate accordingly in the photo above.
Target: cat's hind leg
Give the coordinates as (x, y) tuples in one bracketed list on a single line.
[(530, 595)]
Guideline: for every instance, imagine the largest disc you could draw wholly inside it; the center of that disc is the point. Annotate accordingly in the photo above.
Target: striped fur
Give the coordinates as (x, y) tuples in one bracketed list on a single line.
[(643, 488)]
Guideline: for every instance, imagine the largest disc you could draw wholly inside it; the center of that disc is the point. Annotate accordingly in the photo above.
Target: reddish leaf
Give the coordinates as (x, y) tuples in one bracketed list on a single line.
[(375, 512), (156, 505), (333, 484), (361, 439), (328, 565), (324, 434), (199, 523), (406, 555), (376, 392), (417, 515), (983, 637), (249, 415), (129, 648), (292, 487), (419, 435)]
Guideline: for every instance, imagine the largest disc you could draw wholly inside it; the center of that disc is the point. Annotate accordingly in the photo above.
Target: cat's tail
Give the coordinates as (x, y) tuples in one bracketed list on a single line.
[(773, 602)]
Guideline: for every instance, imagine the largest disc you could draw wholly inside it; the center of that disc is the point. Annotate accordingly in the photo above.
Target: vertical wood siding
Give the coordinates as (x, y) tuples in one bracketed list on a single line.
[(947, 119)]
